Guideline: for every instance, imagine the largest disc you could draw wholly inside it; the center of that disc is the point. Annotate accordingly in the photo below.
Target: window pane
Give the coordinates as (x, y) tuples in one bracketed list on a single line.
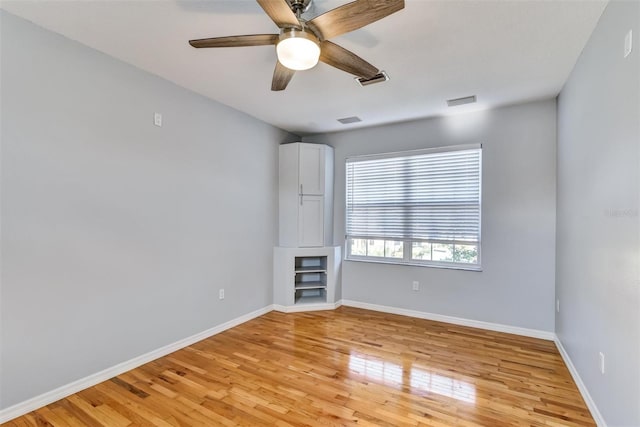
[(359, 247), (442, 252), (375, 248), (415, 198), (465, 254), (393, 249), (421, 250)]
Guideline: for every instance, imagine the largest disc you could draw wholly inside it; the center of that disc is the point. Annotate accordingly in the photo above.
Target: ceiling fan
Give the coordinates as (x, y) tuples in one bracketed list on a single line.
[(302, 43)]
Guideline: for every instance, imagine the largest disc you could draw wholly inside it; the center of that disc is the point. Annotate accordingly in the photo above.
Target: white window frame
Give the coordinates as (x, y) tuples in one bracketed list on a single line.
[(407, 258)]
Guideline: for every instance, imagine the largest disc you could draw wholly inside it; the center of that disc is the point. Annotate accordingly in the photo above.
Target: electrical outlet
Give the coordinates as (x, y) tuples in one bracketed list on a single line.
[(221, 294), (601, 363), (157, 119), (628, 43), (416, 285), (558, 305)]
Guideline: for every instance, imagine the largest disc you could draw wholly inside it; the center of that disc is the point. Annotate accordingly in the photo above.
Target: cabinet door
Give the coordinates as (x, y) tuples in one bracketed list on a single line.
[(311, 169), (310, 221)]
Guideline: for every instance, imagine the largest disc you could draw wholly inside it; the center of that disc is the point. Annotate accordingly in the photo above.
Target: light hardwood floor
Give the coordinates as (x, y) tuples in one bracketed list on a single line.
[(337, 368)]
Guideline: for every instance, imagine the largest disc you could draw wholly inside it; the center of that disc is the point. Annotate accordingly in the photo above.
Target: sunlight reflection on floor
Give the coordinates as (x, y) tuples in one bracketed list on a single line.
[(378, 370), (442, 385)]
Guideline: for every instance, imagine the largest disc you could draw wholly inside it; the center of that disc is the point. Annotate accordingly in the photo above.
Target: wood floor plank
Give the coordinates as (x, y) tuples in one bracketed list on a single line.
[(337, 368)]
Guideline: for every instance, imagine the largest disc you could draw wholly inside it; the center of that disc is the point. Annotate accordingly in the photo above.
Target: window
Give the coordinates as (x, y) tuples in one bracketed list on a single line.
[(418, 207)]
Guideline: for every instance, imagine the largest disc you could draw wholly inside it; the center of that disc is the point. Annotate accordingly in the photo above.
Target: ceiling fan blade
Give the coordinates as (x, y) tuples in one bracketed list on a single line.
[(236, 41), (341, 58), (352, 16), (279, 12), (281, 77)]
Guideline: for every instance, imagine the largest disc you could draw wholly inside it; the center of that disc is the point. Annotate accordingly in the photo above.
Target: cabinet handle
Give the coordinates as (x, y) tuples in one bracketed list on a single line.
[(301, 200), (301, 192)]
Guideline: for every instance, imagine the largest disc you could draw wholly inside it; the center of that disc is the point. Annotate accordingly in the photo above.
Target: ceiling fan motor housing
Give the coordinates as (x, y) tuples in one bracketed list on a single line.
[(290, 33)]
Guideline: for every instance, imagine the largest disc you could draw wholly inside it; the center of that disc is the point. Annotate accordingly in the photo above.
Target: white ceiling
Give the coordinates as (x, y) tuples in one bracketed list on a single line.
[(502, 51)]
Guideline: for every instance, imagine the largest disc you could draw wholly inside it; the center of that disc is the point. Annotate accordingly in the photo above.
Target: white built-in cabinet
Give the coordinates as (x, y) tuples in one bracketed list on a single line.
[(305, 265), (306, 195)]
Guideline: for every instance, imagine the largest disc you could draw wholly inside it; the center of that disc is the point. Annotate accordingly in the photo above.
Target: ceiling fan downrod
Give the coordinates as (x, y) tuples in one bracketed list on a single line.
[(299, 6)]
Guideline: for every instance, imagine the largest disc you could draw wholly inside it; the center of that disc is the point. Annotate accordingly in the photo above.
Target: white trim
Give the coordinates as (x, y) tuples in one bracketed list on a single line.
[(595, 413), (66, 390), (416, 152), (306, 307), (398, 261), (534, 333)]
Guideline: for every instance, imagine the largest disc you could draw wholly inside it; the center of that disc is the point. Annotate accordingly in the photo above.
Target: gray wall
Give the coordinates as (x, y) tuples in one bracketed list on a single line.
[(516, 286), (116, 234), (598, 238)]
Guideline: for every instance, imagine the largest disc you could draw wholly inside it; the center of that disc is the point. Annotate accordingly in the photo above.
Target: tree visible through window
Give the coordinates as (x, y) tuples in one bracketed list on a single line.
[(417, 207)]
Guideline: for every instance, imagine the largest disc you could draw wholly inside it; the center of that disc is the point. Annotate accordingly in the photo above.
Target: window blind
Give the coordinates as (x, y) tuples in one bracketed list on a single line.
[(432, 196)]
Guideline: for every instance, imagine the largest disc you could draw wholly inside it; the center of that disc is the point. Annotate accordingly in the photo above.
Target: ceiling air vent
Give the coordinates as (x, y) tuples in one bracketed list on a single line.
[(347, 120), (461, 101), (382, 76)]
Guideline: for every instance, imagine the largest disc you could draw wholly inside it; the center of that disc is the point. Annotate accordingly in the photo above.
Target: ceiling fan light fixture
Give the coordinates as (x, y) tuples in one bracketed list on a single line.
[(298, 49)]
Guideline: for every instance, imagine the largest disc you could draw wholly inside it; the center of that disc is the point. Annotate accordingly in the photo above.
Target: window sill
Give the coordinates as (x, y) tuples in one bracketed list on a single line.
[(477, 268)]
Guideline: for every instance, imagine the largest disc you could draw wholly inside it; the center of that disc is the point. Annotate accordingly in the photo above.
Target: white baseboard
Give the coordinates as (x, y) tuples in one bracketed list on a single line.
[(306, 307), (595, 413), (534, 333), (66, 390)]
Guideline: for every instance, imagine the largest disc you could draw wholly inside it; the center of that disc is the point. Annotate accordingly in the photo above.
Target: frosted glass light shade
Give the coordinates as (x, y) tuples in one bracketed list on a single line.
[(298, 50)]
